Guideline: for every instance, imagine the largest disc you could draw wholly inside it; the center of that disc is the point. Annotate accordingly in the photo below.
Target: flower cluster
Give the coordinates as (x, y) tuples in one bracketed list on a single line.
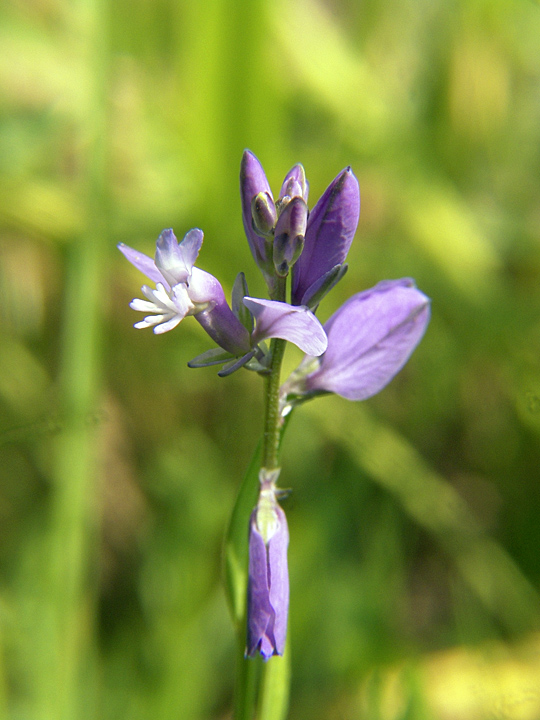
[(356, 354)]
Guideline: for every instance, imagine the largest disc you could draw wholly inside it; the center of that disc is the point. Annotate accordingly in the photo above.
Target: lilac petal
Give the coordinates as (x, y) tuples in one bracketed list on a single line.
[(329, 234), (281, 320), (279, 581), (259, 610), (252, 182), (175, 260), (370, 338), (268, 587), (142, 262), (217, 318)]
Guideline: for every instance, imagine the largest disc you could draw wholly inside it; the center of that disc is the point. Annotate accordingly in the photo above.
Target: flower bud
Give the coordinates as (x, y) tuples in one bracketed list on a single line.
[(263, 212), (253, 183), (268, 578), (289, 235), (295, 184)]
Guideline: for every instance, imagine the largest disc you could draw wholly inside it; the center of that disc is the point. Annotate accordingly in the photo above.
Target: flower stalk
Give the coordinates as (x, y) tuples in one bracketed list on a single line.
[(270, 457)]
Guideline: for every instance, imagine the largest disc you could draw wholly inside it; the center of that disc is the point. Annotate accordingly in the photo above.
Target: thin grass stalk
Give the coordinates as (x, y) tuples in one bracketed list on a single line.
[(69, 691)]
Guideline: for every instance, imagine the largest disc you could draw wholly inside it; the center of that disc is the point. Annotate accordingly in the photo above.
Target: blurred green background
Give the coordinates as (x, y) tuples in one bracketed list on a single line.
[(414, 519)]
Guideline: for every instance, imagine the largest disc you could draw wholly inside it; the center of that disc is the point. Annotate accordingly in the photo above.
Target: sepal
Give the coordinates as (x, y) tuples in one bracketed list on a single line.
[(253, 183), (235, 365), (214, 356), (370, 338), (321, 287)]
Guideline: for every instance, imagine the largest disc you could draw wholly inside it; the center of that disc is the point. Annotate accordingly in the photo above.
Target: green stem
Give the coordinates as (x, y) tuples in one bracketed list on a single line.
[(247, 682), (272, 429), (274, 682), (258, 683), (272, 432), (69, 677)]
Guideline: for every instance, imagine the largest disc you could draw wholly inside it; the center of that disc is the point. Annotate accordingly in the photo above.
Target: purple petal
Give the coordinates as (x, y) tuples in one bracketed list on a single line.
[(268, 588), (175, 260), (252, 182), (281, 320), (370, 338), (279, 581), (217, 319), (143, 263), (259, 610), (329, 234)]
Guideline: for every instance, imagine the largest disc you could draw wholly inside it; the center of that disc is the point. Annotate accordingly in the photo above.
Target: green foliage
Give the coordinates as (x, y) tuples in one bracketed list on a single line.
[(414, 517)]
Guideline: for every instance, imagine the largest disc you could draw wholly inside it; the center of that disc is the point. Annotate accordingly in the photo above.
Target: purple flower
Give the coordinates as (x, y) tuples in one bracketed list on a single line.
[(183, 289), (330, 230), (268, 578), (370, 338)]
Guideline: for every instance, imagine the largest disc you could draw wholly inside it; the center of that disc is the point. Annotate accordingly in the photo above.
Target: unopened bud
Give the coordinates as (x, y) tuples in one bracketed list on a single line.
[(263, 212), (268, 578), (289, 235), (295, 184)]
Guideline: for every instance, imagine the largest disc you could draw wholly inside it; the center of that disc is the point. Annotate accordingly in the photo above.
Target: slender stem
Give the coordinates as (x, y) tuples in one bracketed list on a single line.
[(67, 689), (248, 676), (252, 674), (270, 453)]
